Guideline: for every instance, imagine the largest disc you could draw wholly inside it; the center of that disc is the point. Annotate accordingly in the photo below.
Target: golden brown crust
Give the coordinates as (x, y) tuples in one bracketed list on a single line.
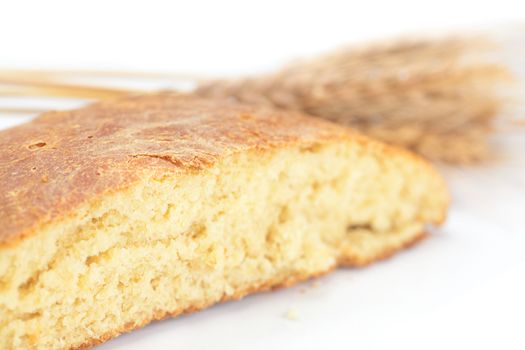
[(50, 166), (269, 285)]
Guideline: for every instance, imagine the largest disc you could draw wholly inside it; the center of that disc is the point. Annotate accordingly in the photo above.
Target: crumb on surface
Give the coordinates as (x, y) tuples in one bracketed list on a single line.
[(292, 314)]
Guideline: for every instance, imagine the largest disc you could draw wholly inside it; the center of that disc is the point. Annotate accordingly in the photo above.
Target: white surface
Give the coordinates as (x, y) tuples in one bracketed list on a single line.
[(463, 288)]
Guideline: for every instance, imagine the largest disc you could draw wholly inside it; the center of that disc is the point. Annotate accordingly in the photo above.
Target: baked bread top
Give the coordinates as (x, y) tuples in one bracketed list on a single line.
[(62, 159)]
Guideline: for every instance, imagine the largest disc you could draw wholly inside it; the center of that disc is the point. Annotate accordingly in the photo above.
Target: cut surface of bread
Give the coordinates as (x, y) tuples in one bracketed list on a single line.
[(129, 211)]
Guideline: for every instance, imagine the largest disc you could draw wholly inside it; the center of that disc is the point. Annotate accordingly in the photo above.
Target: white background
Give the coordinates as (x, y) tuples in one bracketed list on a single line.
[(462, 288), (217, 36)]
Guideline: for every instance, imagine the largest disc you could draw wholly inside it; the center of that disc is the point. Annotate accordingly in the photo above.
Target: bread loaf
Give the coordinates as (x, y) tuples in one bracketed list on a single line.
[(147, 207)]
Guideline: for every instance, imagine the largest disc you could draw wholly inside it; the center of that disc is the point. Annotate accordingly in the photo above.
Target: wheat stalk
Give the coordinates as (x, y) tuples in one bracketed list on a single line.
[(434, 96)]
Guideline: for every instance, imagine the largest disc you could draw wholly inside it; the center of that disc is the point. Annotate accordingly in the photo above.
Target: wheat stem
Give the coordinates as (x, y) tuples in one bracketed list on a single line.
[(63, 74), (18, 110)]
